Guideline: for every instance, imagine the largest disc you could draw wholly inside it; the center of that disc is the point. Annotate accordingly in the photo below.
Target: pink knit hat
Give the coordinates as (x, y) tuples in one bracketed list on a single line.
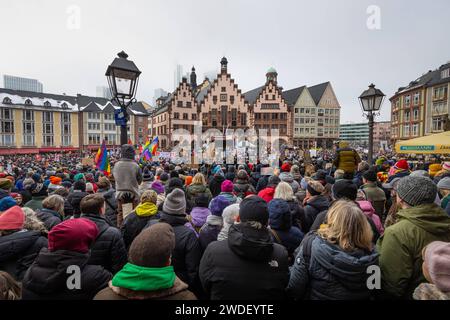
[(437, 260), (227, 186)]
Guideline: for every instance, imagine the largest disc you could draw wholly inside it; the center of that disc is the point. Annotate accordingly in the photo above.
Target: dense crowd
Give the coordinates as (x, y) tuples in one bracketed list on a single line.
[(312, 229)]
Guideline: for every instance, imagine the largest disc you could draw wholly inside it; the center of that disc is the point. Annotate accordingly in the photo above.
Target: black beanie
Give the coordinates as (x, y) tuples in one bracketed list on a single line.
[(370, 175), (254, 208), (201, 200), (79, 185), (345, 189)]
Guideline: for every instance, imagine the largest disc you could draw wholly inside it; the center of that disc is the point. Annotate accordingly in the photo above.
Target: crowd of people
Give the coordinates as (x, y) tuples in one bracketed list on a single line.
[(308, 230)]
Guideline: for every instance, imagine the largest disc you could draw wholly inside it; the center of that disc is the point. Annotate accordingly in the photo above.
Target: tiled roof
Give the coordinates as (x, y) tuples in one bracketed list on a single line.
[(317, 91)]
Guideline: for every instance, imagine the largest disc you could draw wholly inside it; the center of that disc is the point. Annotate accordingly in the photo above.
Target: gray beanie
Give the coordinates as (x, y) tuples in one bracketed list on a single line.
[(417, 190), (420, 173), (175, 203), (444, 183)]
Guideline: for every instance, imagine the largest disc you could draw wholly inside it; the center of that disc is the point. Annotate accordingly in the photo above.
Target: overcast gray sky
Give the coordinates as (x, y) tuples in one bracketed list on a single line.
[(308, 42)]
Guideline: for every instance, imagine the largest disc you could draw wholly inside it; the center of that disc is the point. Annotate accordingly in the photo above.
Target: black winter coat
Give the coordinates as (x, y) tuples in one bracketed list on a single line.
[(74, 198), (108, 249), (215, 185), (187, 253), (246, 266), (331, 274), (298, 217), (50, 218), (133, 225), (47, 278), (312, 208), (18, 251)]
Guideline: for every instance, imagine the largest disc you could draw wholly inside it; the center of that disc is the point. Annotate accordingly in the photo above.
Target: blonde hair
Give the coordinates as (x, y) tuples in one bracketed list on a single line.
[(284, 191), (54, 202), (309, 170), (32, 222), (199, 178), (347, 227), (149, 196), (339, 174)]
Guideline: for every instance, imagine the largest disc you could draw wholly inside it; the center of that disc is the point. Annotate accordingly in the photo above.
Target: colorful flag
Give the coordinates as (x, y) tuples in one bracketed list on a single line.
[(102, 160), (145, 153), (129, 141), (154, 145)]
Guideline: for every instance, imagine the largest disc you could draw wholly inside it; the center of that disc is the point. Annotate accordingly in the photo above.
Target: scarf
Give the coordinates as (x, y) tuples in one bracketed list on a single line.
[(146, 209), (139, 278)]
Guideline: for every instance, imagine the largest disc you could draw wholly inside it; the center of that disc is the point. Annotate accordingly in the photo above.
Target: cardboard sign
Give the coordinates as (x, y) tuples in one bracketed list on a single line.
[(87, 162), (267, 171)]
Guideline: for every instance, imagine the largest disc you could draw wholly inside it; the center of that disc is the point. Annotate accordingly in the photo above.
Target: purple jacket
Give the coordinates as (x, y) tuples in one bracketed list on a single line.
[(197, 218)]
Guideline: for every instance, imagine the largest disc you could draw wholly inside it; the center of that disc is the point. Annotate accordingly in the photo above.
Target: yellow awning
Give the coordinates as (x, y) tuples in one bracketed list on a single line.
[(433, 144)]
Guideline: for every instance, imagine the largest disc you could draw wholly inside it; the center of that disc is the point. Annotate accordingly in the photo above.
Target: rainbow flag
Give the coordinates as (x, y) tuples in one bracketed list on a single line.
[(154, 145), (102, 160), (145, 153)]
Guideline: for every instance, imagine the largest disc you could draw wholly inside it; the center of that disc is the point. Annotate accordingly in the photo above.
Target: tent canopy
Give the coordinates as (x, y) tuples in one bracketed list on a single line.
[(433, 144)]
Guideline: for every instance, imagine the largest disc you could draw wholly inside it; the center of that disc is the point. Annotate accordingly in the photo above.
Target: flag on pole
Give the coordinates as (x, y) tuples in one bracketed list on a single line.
[(146, 154), (154, 145), (102, 160)]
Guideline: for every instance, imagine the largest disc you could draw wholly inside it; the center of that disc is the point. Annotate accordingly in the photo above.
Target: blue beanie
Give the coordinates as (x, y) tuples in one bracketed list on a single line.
[(6, 203), (217, 170), (218, 204), (279, 214)]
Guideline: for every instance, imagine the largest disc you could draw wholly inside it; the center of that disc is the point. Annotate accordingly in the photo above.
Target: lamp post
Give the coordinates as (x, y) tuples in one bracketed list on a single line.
[(371, 100), (123, 78)]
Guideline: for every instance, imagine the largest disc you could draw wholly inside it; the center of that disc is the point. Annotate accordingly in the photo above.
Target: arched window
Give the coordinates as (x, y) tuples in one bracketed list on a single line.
[(28, 102), (47, 104), (6, 100)]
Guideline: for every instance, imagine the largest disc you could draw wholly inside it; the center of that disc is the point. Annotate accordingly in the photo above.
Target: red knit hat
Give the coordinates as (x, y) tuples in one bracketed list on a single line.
[(73, 235), (12, 219), (286, 167), (402, 164)]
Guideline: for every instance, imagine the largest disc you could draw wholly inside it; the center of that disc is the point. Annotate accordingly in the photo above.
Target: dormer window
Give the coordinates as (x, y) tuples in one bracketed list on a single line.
[(47, 104), (445, 73), (28, 102), (6, 100), (64, 105)]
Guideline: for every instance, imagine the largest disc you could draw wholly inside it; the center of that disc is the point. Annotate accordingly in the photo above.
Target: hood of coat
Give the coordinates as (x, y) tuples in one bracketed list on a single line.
[(319, 202), (366, 207), (348, 268), (250, 243), (16, 243), (146, 209), (197, 188), (198, 216), (49, 271), (429, 217)]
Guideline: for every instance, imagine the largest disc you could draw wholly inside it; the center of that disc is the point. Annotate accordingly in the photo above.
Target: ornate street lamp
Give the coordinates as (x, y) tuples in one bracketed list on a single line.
[(371, 101), (123, 78)]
